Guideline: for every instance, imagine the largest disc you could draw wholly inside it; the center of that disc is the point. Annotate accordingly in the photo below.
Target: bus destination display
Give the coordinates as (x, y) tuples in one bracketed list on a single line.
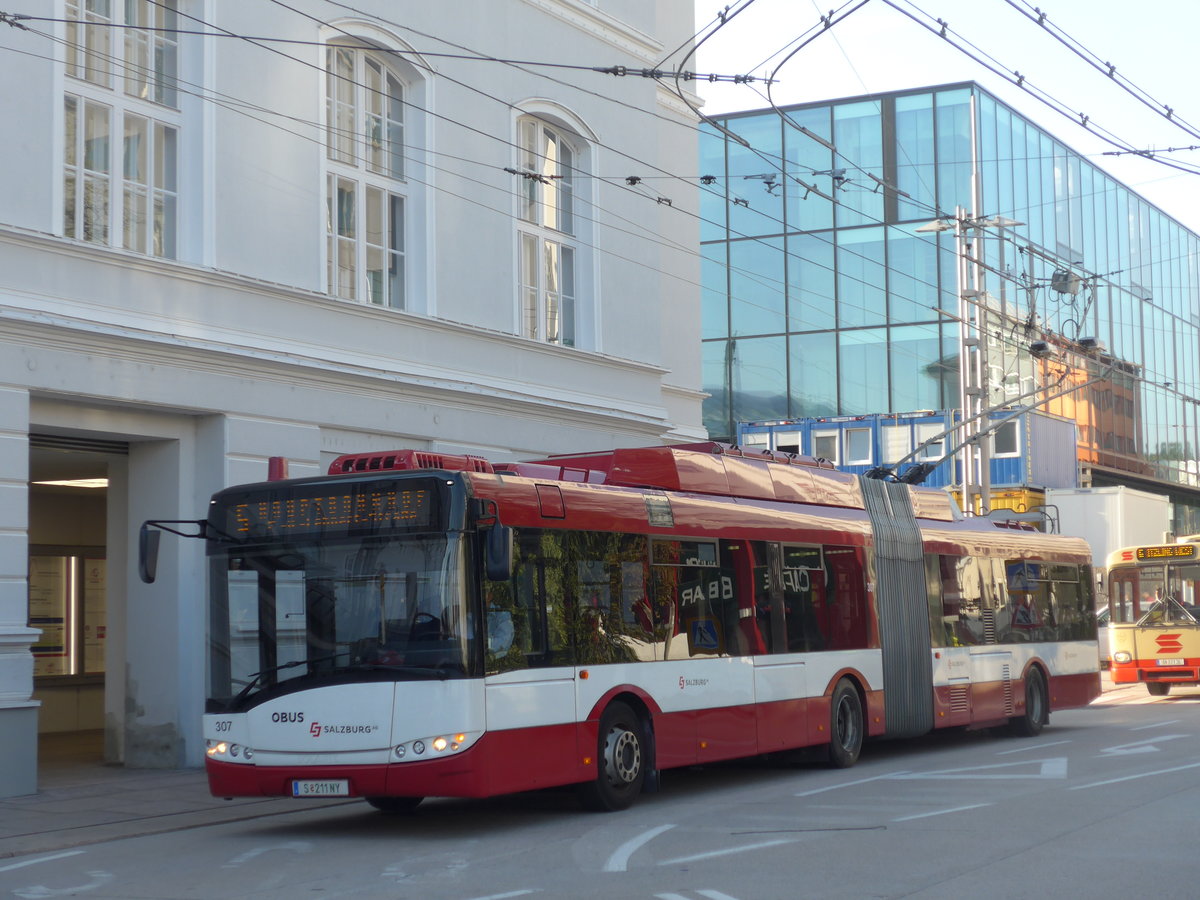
[(1167, 551), (322, 509)]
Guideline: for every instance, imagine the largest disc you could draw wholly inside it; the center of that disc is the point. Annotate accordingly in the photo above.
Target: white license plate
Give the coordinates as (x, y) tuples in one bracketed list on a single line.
[(337, 788), (1168, 662)]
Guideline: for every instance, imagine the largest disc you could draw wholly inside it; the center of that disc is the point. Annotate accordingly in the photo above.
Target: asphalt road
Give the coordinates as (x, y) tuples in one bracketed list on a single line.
[(1103, 804)]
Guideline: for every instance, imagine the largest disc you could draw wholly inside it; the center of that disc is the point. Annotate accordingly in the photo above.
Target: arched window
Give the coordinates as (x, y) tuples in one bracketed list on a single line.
[(550, 259), (367, 195)]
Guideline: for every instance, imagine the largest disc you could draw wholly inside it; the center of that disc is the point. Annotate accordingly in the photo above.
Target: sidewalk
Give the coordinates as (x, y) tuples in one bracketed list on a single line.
[(82, 801)]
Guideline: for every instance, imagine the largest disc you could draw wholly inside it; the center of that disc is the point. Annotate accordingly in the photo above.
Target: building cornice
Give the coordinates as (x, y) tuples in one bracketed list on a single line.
[(171, 339), (372, 316), (603, 26), (151, 349)]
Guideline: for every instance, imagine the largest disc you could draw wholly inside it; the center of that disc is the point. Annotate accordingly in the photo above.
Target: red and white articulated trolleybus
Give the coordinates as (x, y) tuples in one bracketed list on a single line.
[(419, 625), (1154, 615)]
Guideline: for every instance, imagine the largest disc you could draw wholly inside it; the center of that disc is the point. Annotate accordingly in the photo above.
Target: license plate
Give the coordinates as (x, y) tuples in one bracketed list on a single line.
[(337, 788), (1168, 662)]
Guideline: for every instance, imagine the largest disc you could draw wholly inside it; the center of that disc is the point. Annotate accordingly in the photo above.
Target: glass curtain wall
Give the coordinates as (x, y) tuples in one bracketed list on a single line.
[(821, 297)]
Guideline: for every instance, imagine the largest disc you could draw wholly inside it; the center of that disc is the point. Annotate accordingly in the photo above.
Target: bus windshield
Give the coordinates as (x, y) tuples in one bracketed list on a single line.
[(299, 613), (1161, 594)]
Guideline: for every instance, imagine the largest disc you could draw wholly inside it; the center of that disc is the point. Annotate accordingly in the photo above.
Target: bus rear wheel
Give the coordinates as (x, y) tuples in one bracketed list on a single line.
[(1158, 688), (620, 761), (395, 806), (845, 726), (1037, 712)]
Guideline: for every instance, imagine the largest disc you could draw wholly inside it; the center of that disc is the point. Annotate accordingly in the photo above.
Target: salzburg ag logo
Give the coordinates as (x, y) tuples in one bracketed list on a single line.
[(1168, 643), (317, 729)]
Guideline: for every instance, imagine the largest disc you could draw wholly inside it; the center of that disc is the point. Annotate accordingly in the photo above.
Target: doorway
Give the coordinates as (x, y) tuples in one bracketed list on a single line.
[(68, 585)]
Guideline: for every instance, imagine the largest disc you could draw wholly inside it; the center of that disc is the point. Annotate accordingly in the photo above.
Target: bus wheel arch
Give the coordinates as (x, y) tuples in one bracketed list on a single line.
[(1036, 714), (624, 756)]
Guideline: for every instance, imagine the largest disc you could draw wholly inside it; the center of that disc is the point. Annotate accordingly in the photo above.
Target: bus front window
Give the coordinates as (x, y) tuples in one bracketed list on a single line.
[(299, 613)]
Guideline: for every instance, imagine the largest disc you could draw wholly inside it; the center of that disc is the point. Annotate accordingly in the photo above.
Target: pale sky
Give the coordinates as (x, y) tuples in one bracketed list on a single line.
[(1152, 43)]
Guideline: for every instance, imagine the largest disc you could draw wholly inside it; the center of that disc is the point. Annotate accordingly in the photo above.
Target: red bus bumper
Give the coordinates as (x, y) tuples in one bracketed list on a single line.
[(1148, 670), (499, 763)]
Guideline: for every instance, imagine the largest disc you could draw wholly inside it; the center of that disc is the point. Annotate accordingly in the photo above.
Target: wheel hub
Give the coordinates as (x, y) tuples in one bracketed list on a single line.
[(622, 756)]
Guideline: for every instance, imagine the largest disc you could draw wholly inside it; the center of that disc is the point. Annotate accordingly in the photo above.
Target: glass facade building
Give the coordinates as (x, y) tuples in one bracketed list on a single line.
[(821, 296)]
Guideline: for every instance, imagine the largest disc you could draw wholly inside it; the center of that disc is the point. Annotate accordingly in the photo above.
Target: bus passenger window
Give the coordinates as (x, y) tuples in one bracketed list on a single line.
[(962, 601), (941, 628), (693, 597), (515, 610), (607, 596), (845, 625), (804, 598), (746, 613)]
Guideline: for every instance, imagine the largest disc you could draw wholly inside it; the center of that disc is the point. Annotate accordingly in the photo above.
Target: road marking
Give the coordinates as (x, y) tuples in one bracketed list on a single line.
[(834, 787), (1146, 746), (294, 846), (728, 851), (620, 858), (40, 891), (521, 893), (714, 895), (1027, 749), (1156, 725), (34, 862), (1080, 787), (940, 812), (1053, 768)]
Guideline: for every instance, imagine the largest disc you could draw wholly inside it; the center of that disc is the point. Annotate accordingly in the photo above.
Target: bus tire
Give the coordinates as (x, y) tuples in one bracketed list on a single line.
[(395, 806), (621, 761), (845, 726), (1037, 711), (1158, 688)]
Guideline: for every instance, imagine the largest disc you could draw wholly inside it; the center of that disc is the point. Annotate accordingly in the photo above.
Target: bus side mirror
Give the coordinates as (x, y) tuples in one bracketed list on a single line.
[(148, 539), (498, 552)]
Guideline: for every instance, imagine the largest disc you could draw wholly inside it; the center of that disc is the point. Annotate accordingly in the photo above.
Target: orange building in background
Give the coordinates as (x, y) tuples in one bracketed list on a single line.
[(1108, 412)]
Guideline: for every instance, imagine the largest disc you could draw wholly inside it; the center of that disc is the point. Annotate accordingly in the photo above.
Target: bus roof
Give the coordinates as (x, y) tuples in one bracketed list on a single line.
[(703, 468)]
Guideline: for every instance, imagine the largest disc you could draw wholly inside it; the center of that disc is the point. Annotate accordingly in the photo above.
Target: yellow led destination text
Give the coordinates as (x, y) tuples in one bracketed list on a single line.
[(334, 511), (1167, 551)]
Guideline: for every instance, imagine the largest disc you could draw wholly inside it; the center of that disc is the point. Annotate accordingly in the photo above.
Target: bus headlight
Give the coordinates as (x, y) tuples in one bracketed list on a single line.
[(439, 744), (1122, 656)]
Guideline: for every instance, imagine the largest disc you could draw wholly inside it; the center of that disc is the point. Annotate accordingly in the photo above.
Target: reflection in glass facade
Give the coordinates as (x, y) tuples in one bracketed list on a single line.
[(821, 298)]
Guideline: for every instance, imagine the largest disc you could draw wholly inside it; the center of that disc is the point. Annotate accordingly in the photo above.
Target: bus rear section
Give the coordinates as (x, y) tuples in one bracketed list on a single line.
[(1154, 606)]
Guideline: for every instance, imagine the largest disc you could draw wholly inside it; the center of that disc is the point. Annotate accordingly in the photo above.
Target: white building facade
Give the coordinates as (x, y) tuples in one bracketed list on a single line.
[(245, 230)]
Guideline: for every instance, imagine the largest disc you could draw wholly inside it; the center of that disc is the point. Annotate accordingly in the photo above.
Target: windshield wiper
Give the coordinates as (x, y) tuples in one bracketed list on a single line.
[(256, 677), (1167, 611)]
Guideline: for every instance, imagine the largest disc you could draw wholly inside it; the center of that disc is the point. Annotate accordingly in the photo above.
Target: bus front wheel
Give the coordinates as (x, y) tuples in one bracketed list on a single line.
[(1158, 688), (620, 761), (395, 806), (845, 726)]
